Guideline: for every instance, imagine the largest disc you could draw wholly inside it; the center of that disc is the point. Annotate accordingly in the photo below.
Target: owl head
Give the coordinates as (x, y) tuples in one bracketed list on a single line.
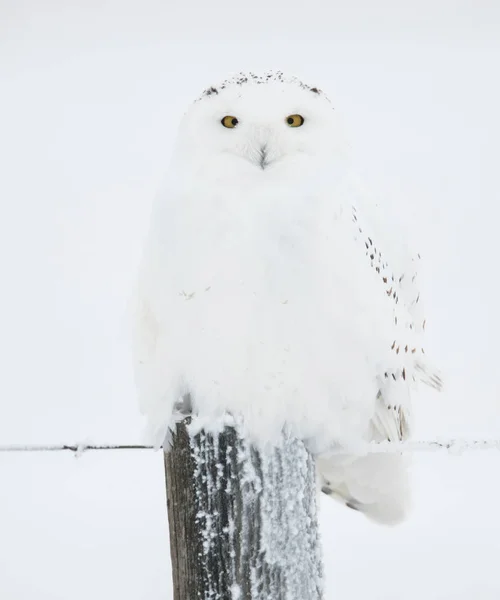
[(259, 127)]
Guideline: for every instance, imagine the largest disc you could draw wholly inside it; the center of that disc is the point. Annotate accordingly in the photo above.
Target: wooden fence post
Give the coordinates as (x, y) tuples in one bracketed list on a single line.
[(243, 523)]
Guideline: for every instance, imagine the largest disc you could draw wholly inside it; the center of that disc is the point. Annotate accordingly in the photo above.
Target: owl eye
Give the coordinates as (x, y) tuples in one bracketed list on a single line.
[(229, 121), (295, 120)]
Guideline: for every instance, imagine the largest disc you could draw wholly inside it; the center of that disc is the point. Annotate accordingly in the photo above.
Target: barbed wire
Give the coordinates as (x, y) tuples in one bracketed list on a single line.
[(79, 448), (451, 445)]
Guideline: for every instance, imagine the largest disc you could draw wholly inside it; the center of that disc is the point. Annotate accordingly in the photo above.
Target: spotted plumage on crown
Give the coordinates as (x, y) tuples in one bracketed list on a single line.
[(267, 77)]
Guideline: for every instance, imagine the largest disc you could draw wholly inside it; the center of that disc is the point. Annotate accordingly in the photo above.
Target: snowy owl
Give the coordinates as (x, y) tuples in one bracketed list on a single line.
[(270, 287)]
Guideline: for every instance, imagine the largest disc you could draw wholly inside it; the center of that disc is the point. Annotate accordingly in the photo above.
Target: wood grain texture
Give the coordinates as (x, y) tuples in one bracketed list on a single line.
[(243, 523)]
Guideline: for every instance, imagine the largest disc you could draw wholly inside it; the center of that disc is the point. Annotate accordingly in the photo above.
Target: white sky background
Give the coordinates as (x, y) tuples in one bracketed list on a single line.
[(90, 96)]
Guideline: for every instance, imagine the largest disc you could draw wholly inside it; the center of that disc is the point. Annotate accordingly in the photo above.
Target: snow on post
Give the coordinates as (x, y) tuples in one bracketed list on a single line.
[(243, 522)]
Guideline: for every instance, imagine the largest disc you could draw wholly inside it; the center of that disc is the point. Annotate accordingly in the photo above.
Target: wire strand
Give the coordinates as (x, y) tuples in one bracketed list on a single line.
[(452, 445), (79, 448)]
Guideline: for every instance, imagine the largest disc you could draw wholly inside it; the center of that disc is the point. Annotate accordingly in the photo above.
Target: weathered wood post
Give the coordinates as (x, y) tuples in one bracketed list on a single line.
[(243, 522)]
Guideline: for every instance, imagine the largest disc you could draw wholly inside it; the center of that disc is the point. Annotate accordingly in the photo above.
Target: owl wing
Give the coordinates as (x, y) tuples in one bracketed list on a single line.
[(377, 484), (160, 399), (405, 363), (395, 370)]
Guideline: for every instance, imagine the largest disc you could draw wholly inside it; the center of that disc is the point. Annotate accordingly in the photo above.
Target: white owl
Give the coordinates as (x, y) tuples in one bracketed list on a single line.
[(270, 288)]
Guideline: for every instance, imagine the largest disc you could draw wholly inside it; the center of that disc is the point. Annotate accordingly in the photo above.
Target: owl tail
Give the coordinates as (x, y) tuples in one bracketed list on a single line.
[(376, 485)]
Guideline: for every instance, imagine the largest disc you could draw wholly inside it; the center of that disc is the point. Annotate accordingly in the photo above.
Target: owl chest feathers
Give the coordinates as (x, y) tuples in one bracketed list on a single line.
[(284, 260), (276, 291), (256, 245)]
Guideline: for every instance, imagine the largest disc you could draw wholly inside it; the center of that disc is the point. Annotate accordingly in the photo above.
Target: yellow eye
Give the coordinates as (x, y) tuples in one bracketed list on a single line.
[(295, 120), (229, 121)]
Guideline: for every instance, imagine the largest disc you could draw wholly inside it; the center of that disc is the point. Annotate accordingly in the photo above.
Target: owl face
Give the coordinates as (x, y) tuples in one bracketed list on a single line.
[(259, 127)]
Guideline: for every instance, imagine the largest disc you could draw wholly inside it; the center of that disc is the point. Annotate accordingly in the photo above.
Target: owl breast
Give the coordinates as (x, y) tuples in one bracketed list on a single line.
[(266, 308)]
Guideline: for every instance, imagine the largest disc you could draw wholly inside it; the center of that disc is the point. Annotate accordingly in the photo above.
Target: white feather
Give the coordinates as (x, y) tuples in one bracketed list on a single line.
[(261, 294)]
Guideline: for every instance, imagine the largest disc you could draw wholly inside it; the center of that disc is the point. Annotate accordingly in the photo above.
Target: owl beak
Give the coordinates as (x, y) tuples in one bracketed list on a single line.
[(263, 160)]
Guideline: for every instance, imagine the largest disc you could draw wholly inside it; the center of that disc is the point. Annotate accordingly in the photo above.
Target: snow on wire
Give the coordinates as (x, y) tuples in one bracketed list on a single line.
[(451, 445)]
